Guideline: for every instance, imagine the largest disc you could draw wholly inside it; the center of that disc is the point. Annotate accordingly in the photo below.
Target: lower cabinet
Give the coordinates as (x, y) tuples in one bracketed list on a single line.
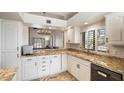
[(29, 68), (79, 68), (36, 67), (83, 72), (43, 66), (55, 64)]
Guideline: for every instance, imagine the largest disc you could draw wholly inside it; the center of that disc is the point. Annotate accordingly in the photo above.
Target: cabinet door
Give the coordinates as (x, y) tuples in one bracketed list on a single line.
[(0, 43), (0, 59), (70, 35), (77, 35), (64, 62), (69, 64), (122, 31), (9, 35), (9, 59), (9, 43), (72, 66), (43, 66), (55, 64), (83, 72), (114, 28), (29, 70)]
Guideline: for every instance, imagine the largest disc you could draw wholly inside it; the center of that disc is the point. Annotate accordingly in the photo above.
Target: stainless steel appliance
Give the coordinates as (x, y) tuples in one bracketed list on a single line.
[(27, 50), (102, 74)]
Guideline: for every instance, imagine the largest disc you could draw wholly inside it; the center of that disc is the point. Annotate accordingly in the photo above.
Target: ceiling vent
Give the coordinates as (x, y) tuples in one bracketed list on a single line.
[(48, 21)]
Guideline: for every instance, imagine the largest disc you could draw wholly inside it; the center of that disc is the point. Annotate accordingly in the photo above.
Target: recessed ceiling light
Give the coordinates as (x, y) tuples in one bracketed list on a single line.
[(85, 23)]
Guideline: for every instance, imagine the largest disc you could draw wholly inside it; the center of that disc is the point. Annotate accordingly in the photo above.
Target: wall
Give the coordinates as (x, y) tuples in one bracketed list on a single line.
[(116, 51), (25, 36)]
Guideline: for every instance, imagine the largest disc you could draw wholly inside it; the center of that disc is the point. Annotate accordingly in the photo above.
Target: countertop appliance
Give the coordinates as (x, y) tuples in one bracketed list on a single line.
[(99, 73), (27, 50)]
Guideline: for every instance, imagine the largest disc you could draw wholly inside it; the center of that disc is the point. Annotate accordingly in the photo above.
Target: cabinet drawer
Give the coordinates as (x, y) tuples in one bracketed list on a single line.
[(81, 61), (28, 59), (45, 57)]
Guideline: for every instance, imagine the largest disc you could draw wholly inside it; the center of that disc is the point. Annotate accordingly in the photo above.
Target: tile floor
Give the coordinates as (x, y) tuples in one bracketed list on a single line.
[(64, 76)]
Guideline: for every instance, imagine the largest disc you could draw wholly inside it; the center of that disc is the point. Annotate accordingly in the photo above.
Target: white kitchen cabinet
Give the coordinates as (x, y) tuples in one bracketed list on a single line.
[(79, 68), (55, 64), (115, 28), (43, 66), (0, 43), (64, 62), (73, 35), (83, 72), (74, 68), (36, 67), (29, 68), (10, 45)]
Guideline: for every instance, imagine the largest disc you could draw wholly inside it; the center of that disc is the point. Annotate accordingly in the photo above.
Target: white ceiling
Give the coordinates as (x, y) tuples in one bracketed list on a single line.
[(58, 15), (10, 15), (90, 17)]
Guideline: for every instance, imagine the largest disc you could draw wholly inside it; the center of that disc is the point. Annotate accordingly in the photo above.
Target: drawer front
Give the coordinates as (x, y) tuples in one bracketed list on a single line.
[(81, 61), (28, 59), (45, 57)]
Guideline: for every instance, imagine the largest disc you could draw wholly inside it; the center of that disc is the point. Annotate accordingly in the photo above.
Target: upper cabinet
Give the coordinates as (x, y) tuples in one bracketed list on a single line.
[(41, 20), (115, 28), (73, 35)]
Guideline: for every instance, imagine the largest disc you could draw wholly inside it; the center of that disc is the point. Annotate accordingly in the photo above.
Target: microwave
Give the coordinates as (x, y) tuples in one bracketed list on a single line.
[(27, 50)]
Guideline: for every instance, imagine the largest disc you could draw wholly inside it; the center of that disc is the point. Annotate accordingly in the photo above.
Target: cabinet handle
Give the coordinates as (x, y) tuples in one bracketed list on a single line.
[(29, 59), (44, 66), (43, 69), (50, 62), (106, 40), (44, 62), (102, 74), (35, 63), (17, 48), (43, 58), (78, 66), (55, 56), (17, 55)]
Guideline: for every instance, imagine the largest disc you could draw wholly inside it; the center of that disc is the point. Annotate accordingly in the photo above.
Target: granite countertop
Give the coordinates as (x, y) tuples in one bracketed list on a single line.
[(7, 74), (109, 62)]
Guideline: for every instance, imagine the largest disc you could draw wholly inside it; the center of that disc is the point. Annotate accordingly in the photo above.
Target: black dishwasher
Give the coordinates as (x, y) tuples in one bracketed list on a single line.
[(99, 73)]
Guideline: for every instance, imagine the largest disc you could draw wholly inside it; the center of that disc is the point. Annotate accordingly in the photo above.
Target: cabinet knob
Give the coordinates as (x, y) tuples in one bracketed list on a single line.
[(55, 56), (43, 69), (78, 66), (44, 62), (35, 63), (50, 61), (43, 58), (29, 59)]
